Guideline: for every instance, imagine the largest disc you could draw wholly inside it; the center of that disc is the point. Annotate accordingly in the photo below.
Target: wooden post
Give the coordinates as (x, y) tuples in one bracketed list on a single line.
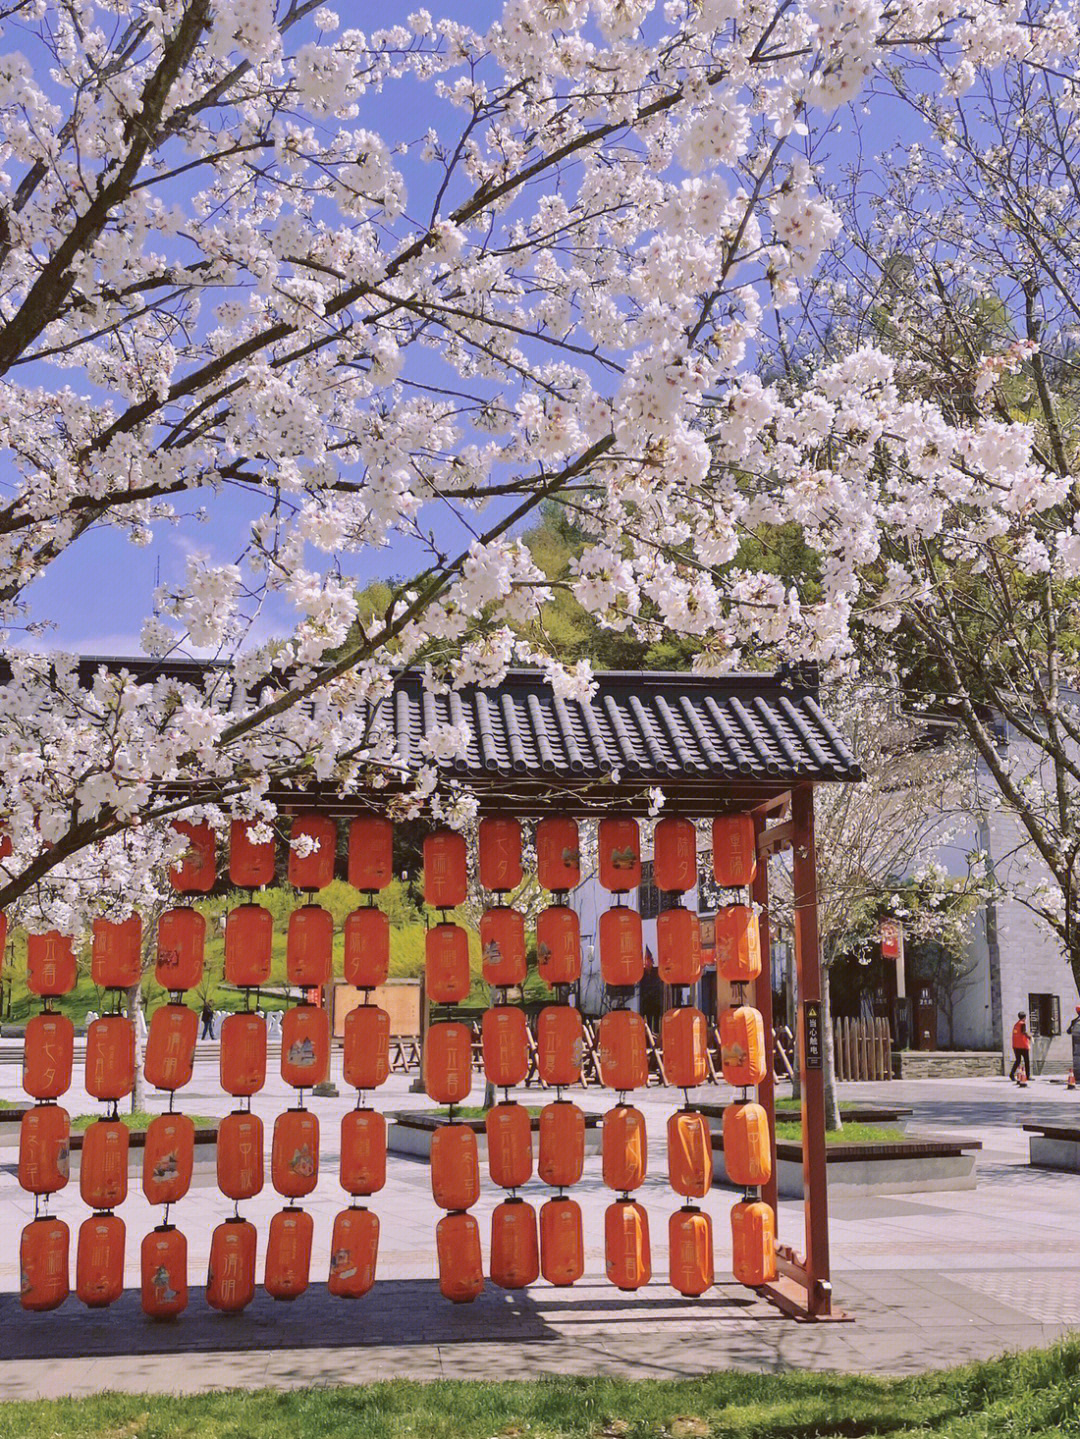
[(759, 893)]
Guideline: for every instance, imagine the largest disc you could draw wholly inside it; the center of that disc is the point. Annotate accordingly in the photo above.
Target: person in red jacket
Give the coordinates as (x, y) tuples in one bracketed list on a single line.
[(1021, 1047)]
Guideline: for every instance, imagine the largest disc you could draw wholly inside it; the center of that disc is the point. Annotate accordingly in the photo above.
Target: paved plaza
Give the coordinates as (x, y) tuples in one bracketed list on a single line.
[(931, 1279)]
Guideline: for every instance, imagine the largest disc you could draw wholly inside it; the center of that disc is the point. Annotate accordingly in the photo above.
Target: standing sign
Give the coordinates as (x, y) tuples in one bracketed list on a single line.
[(812, 1038)]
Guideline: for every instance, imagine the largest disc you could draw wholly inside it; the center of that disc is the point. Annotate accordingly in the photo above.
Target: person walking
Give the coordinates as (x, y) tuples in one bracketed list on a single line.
[(1021, 1048), (1074, 1030), (207, 1021)]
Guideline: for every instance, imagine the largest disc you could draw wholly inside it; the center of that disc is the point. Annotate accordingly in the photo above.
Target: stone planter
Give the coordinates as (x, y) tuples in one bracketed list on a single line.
[(920, 1166), (409, 1133), (1054, 1146)]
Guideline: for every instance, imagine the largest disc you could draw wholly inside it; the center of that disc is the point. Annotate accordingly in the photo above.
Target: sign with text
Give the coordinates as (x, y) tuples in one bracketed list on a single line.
[(812, 1036)]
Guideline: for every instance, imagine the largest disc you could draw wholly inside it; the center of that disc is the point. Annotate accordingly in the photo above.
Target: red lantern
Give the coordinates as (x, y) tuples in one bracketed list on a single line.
[(251, 865), (562, 1144), (678, 947), (294, 1154), (110, 1057), (242, 1059), (455, 1171), (448, 1063), (240, 1155), (505, 1040), (103, 1170), (249, 945), (43, 1264), (446, 967), (622, 958), (309, 948), (734, 850), (314, 870), (367, 1046), (164, 1273), (502, 946), (560, 1041), (305, 1046), (51, 969), (562, 1245), (675, 854), (753, 1243), (626, 1244), (461, 1265), (742, 1046), (288, 1254), (446, 879), (619, 845), (747, 1150), (624, 1056), (558, 854), (170, 1046), (230, 1279), (509, 1145), (116, 953), (690, 1251), (354, 1250), (738, 944), (624, 1148), (99, 1260), (363, 1151), (44, 1144), (168, 1158), (500, 853), (689, 1154), (48, 1051), (371, 852), (367, 947), (197, 871), (180, 949), (558, 945), (684, 1038), (515, 1251)]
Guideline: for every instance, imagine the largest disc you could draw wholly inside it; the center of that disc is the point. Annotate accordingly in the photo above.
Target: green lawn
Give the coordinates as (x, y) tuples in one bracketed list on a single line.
[(140, 1120), (850, 1134), (1029, 1396)]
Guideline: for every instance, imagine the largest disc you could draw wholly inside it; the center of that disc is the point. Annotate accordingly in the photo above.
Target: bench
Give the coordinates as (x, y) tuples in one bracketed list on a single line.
[(1054, 1146)]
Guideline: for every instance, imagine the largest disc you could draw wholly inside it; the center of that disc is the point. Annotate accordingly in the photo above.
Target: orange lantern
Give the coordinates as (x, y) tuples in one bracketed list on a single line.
[(509, 1145), (747, 1151), (354, 1250), (110, 1057), (560, 1040), (500, 853), (230, 1279), (103, 1170), (562, 1245), (48, 1051), (446, 878), (251, 865), (309, 948), (294, 1153), (242, 1059), (515, 1251), (455, 1170), (678, 947), (288, 1253), (50, 964), (624, 1148), (180, 949), (622, 957), (690, 1251), (366, 947), (558, 854), (619, 846), (742, 1046), (305, 1046), (675, 854), (240, 1155), (99, 1260), (448, 1063), (689, 1153), (734, 850), (168, 1158), (367, 1046), (197, 871), (43, 1264), (505, 1041), (558, 945), (738, 944), (624, 1057), (753, 1243), (363, 1151), (446, 967), (249, 945), (116, 953), (461, 1265), (163, 1264), (562, 1144), (314, 870), (44, 1149), (371, 852), (170, 1046), (502, 946), (626, 1244), (684, 1038)]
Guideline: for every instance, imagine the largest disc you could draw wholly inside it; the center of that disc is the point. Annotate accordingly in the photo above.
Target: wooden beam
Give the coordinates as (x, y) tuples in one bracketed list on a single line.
[(759, 893), (776, 838)]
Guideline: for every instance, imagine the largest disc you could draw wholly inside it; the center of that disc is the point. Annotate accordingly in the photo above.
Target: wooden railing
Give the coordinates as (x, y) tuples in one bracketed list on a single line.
[(863, 1049)]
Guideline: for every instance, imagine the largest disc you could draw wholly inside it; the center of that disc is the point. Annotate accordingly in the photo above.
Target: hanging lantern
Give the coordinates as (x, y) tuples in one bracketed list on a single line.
[(294, 1154), (619, 847), (753, 1243), (180, 949), (314, 870), (103, 1168), (305, 1046), (43, 1264), (738, 944), (354, 1250), (509, 1145), (742, 1046), (734, 850), (684, 1039), (505, 1042), (690, 1251), (624, 1148), (558, 854), (447, 1063), (168, 1158), (367, 1047), (461, 1265), (560, 1041), (366, 947), (455, 1170), (558, 945), (288, 1254), (249, 945), (502, 946), (562, 1245), (447, 977), (170, 1046), (242, 1059), (689, 1153), (251, 865), (515, 1250), (561, 1158), (499, 843), (197, 871), (678, 947), (116, 953), (240, 1155), (99, 1260), (747, 1151), (164, 1272), (51, 969), (446, 880), (622, 956), (309, 948), (230, 1279), (621, 1043), (110, 1057), (675, 854), (626, 1244), (363, 1151), (44, 1147), (48, 1051), (371, 852)]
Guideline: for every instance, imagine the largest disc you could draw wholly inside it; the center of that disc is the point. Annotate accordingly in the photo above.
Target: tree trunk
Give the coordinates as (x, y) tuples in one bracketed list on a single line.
[(832, 1102), (135, 1009), (796, 1082)]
